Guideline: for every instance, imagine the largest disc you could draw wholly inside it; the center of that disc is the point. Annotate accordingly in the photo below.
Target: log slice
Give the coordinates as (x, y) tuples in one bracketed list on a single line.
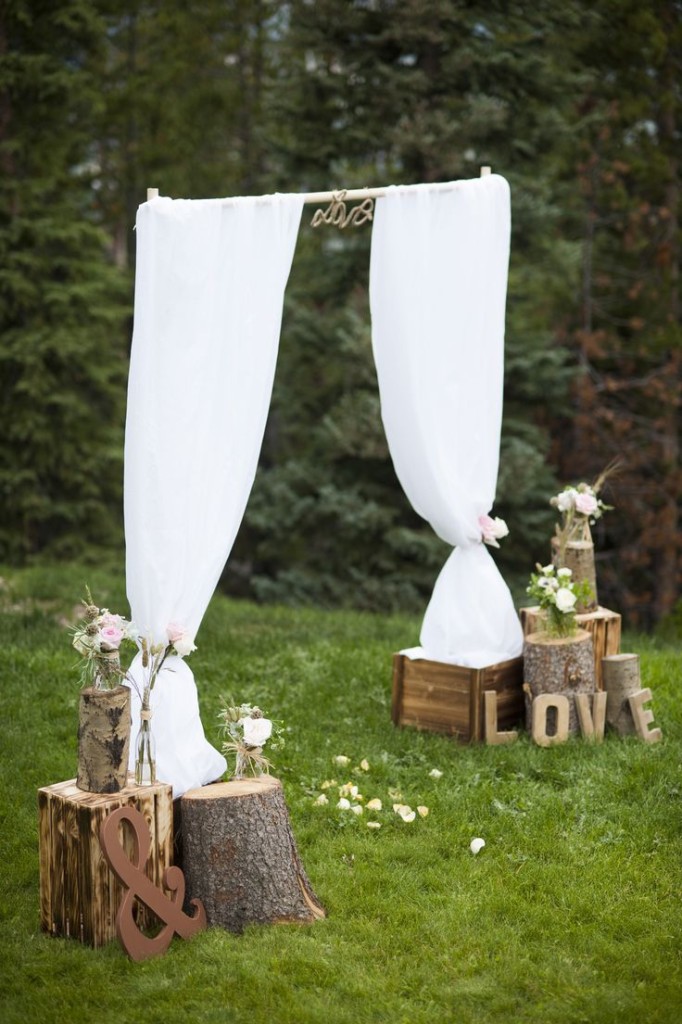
[(240, 858), (621, 681), (103, 739)]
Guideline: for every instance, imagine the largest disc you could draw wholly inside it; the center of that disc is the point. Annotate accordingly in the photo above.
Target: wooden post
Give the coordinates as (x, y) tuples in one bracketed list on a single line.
[(621, 680), (79, 896), (240, 857), (557, 665)]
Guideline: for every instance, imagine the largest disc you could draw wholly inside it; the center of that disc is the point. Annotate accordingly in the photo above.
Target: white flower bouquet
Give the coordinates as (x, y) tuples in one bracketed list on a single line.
[(558, 595), (580, 507), (249, 730)]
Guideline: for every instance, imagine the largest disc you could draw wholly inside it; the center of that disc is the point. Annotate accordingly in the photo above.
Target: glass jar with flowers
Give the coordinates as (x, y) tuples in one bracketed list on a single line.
[(572, 546), (248, 730), (104, 705)]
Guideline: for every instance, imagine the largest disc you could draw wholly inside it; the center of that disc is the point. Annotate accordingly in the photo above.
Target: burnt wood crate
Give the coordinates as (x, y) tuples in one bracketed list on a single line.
[(603, 626), (436, 697), (79, 894)]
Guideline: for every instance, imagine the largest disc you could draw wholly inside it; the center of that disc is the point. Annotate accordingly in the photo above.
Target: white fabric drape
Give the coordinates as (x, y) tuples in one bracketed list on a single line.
[(208, 305), (438, 280)]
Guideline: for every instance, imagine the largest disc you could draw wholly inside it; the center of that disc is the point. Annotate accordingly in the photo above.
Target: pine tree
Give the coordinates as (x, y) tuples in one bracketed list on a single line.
[(62, 354)]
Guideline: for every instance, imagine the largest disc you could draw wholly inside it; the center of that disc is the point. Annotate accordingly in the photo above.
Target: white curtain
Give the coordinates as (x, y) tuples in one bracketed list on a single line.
[(208, 305), (438, 281)]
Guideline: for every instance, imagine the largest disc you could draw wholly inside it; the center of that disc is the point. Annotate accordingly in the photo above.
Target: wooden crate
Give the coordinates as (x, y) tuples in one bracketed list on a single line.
[(444, 698), (603, 625), (79, 895)]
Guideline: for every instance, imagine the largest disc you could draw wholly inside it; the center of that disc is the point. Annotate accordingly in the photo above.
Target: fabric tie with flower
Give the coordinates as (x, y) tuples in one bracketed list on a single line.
[(492, 530)]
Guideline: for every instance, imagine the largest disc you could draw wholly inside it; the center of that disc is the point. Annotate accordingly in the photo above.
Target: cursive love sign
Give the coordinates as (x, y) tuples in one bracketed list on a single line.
[(131, 873)]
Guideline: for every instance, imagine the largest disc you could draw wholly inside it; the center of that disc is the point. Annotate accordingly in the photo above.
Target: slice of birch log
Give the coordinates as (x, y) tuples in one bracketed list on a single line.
[(557, 665), (240, 858), (621, 680)]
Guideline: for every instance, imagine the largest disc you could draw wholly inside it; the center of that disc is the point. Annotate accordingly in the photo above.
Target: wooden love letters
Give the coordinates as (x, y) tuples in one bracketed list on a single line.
[(591, 714)]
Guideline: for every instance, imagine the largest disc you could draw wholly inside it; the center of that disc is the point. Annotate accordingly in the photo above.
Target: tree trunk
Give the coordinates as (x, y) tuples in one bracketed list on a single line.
[(603, 625), (240, 858), (621, 680), (562, 665), (103, 739)]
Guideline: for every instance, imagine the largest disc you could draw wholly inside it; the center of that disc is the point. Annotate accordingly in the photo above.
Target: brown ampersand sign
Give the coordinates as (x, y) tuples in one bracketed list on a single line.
[(130, 872)]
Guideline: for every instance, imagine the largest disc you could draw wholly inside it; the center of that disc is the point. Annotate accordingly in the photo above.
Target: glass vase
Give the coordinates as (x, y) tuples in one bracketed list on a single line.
[(107, 670), (145, 751), (245, 765)]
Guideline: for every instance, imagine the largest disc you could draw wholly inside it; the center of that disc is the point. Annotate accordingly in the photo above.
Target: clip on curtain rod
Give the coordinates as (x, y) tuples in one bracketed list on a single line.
[(336, 212)]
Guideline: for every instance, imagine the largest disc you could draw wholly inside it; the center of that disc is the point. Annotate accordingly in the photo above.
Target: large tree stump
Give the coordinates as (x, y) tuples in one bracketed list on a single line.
[(621, 680), (603, 625), (578, 556), (103, 739), (558, 665), (240, 858)]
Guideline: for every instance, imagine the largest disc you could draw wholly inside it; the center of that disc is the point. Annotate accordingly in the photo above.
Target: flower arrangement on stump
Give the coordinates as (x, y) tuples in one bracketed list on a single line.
[(248, 730), (558, 596), (572, 547), (104, 705)]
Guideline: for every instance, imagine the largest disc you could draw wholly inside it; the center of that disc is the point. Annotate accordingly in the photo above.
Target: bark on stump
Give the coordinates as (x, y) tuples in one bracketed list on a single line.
[(562, 665), (621, 680), (103, 739), (240, 858), (579, 558), (602, 624)]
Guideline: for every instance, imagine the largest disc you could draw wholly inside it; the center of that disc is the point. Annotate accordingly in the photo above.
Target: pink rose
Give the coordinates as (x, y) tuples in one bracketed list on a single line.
[(109, 619), (110, 637), (180, 639), (492, 530), (586, 504)]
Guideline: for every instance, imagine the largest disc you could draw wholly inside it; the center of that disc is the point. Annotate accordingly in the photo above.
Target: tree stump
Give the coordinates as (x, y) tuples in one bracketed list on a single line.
[(579, 558), (603, 625), (240, 858), (558, 665), (103, 739), (621, 681)]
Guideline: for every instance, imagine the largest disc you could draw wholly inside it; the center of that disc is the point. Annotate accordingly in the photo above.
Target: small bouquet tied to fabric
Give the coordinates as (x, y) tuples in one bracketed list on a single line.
[(558, 596), (98, 638), (492, 530), (248, 731)]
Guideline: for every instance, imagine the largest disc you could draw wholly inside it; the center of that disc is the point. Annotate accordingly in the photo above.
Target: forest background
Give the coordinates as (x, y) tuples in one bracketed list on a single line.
[(575, 103)]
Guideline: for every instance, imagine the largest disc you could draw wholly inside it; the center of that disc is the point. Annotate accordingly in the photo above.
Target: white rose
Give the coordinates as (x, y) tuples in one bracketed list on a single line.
[(548, 570), (565, 599), (183, 645), (564, 573), (566, 500), (257, 731)]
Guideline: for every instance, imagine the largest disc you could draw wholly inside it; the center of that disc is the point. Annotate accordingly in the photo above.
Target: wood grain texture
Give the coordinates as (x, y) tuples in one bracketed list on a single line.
[(603, 625), (240, 857), (553, 665), (437, 697), (79, 895), (493, 735), (643, 717)]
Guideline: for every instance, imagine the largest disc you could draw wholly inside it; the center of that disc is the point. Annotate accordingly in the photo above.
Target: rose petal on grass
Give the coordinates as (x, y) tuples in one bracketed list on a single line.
[(364, 764), (435, 773), (322, 800), (476, 845), (328, 783), (374, 805), (341, 760), (373, 824), (422, 811), (343, 804), (357, 809)]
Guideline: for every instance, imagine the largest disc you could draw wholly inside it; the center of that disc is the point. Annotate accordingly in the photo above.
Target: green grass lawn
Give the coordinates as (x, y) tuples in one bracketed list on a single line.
[(572, 912)]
